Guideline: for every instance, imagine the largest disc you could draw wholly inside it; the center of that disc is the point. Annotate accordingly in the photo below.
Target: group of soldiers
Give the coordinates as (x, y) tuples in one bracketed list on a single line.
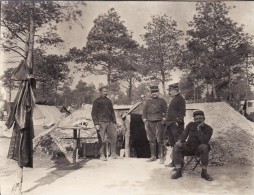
[(162, 122)]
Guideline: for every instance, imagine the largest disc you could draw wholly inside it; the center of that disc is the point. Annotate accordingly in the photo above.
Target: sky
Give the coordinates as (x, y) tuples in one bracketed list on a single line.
[(136, 15)]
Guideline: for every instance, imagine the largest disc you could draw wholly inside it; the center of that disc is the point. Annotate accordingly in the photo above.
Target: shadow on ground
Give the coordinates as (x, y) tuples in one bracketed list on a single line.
[(234, 180), (61, 168)]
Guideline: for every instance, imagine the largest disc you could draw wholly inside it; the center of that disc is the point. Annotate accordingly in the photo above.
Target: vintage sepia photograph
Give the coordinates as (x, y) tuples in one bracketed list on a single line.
[(126, 97)]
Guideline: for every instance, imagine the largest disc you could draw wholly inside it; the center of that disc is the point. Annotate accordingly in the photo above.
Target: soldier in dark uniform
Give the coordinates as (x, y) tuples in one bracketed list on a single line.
[(104, 119), (199, 135), (154, 118), (175, 116)]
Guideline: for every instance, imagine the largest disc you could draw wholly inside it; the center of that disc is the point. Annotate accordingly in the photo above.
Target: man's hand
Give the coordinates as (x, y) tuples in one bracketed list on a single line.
[(200, 125), (97, 127), (144, 119), (179, 143), (163, 121)]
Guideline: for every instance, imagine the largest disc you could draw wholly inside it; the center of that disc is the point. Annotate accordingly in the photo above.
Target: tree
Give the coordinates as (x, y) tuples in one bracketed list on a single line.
[(191, 89), (66, 97), (8, 82), (122, 98), (46, 15), (115, 89), (21, 22), (51, 72), (246, 51), (213, 44), (130, 76), (141, 89), (107, 44), (83, 93), (162, 48)]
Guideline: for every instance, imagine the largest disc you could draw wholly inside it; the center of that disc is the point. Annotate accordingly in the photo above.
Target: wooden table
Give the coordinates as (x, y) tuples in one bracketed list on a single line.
[(76, 139)]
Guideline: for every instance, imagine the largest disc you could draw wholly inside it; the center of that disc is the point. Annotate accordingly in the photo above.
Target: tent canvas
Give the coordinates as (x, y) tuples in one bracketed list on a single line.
[(45, 115)]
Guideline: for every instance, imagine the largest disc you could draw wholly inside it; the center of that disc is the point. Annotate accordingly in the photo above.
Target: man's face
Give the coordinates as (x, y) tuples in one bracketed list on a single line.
[(104, 92), (199, 119), (172, 92), (154, 94)]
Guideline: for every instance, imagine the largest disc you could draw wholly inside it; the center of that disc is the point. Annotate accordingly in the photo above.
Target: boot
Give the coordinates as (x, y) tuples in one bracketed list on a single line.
[(115, 156), (153, 152), (205, 175), (182, 166), (103, 158), (102, 155), (113, 151), (161, 153), (172, 164), (177, 174)]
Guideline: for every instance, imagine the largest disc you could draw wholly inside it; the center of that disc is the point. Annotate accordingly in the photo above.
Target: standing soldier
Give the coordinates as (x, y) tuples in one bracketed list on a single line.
[(175, 116), (154, 118), (104, 119)]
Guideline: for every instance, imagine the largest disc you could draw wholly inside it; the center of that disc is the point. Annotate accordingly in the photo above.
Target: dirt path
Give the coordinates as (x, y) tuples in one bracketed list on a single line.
[(127, 177), (121, 177)]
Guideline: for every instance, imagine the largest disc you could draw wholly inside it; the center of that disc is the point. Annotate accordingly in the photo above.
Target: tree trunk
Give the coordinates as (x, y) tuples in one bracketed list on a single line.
[(17, 187), (247, 79), (130, 90), (31, 40), (108, 78), (229, 87), (214, 91), (194, 95), (57, 80), (163, 82), (29, 58)]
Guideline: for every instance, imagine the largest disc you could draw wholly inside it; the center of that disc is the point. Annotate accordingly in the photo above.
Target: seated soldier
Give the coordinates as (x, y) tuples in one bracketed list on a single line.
[(199, 134)]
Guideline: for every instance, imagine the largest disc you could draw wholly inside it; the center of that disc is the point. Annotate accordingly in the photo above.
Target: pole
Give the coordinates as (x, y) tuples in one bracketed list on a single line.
[(17, 188)]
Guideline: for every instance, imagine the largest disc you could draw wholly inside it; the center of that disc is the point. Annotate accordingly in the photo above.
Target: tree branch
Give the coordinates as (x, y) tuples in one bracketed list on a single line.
[(15, 34), (9, 48)]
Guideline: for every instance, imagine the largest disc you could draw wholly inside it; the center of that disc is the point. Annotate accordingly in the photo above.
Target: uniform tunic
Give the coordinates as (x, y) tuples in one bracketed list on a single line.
[(153, 111)]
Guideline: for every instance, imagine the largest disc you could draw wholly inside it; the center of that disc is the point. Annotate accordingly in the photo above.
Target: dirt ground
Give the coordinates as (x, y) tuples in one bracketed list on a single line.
[(130, 176)]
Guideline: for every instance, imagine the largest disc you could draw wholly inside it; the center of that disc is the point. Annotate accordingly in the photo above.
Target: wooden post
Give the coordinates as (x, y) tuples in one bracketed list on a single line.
[(17, 188), (127, 136), (75, 145)]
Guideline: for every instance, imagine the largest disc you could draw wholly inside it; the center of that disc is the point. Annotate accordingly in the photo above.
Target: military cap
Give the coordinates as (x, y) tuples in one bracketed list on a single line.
[(173, 86), (198, 112), (154, 88), (103, 87)]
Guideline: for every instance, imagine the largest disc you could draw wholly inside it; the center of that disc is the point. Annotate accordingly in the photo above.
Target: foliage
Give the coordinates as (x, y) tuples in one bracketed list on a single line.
[(83, 93), (51, 72), (26, 22), (215, 43), (7, 82), (107, 47), (191, 89), (141, 89), (47, 14), (162, 48)]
